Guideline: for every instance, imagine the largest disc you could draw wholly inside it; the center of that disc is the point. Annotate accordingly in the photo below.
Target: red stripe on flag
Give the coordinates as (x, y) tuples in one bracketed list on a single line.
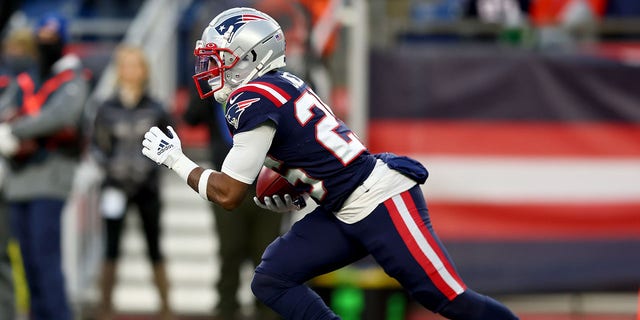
[(505, 138), (417, 253), (535, 221)]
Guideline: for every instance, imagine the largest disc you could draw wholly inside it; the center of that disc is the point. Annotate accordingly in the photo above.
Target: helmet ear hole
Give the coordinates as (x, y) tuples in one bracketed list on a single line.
[(242, 64)]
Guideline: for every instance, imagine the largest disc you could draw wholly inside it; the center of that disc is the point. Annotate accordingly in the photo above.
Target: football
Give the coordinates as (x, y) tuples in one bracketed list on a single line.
[(271, 183)]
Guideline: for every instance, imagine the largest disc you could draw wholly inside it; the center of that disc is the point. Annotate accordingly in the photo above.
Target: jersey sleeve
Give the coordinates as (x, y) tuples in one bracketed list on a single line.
[(254, 104), (245, 159)]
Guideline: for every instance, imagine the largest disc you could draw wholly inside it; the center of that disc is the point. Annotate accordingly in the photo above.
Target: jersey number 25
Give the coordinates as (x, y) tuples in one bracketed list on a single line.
[(343, 149)]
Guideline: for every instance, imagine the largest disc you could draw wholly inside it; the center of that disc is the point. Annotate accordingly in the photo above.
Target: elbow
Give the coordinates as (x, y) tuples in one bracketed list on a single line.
[(229, 203), (229, 206), (228, 194)]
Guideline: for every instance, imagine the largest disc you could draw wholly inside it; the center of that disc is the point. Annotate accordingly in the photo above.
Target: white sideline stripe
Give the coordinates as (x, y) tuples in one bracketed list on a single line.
[(274, 93), (424, 246), (511, 179)]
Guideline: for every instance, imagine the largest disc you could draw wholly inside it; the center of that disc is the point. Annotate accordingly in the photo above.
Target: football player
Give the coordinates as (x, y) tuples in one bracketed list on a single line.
[(367, 204)]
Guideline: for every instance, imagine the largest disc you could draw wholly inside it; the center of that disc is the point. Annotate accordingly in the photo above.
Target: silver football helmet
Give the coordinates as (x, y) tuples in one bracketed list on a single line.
[(239, 45)]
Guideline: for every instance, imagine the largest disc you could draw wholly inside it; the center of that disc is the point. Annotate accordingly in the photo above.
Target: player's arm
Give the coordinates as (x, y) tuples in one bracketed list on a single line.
[(219, 187), (240, 167), (226, 188)]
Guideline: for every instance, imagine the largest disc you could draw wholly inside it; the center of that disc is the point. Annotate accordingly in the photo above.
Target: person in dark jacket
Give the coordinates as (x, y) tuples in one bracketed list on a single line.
[(243, 233), (18, 55), (130, 178)]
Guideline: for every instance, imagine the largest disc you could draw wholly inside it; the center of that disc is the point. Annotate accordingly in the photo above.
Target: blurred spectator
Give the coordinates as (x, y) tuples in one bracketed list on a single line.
[(437, 11), (131, 179), (41, 144), (623, 8), (509, 15), (7, 301), (110, 8), (243, 233), (311, 29), (295, 23), (8, 8), (19, 54), (563, 24)]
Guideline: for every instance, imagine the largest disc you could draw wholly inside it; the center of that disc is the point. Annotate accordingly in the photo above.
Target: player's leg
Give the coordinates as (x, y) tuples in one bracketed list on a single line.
[(20, 229), (471, 305), (149, 206), (400, 237), (113, 233), (7, 301), (315, 245), (45, 225), (232, 238), (265, 227)]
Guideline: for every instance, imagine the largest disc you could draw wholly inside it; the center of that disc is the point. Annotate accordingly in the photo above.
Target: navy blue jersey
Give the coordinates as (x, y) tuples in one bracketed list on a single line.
[(313, 149)]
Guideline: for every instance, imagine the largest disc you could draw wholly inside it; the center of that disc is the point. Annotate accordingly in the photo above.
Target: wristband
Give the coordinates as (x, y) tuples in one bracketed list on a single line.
[(203, 183), (183, 167)]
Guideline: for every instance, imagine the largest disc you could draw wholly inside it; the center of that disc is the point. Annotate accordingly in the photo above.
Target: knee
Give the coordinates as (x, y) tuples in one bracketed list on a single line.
[(472, 305), (468, 304), (266, 288)]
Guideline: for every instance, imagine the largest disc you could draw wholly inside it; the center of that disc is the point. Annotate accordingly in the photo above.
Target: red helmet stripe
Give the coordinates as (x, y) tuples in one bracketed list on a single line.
[(246, 17)]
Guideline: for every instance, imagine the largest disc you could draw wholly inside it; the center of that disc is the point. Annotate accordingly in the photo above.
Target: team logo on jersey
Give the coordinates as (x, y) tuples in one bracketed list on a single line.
[(237, 109), (234, 23)]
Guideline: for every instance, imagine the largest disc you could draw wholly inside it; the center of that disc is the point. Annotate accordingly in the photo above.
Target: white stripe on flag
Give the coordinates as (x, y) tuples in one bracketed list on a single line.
[(518, 179)]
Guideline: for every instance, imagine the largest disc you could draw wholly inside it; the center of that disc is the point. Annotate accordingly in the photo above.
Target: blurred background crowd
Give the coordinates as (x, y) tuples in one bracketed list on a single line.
[(525, 112)]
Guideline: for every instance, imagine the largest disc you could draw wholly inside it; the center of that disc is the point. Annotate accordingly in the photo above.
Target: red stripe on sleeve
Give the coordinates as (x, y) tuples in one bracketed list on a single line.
[(260, 91), (279, 90)]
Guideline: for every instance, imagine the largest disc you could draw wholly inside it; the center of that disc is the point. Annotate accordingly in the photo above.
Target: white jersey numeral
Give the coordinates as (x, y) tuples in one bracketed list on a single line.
[(343, 149), (295, 81), (295, 175), (317, 187)]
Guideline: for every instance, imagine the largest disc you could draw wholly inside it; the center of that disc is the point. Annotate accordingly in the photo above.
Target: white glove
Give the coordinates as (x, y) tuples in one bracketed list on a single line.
[(277, 205), (9, 144), (161, 148)]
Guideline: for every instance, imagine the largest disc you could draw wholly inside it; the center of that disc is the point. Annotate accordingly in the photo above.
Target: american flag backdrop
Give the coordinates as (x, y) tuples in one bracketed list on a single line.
[(534, 162)]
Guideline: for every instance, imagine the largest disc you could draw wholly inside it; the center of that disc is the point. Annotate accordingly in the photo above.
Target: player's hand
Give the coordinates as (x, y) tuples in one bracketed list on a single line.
[(275, 203), (162, 148), (9, 144)]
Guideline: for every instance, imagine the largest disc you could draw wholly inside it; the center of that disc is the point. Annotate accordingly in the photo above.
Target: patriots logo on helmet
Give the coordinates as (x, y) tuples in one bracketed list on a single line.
[(234, 23), (236, 110)]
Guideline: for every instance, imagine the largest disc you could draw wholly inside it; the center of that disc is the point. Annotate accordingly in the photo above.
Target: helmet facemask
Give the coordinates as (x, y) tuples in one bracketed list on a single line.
[(211, 64)]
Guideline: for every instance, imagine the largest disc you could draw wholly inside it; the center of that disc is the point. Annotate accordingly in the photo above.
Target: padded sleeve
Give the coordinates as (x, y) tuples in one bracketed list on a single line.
[(246, 157)]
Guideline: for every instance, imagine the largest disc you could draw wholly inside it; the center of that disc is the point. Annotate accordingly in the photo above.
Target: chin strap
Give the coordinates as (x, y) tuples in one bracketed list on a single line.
[(223, 94)]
